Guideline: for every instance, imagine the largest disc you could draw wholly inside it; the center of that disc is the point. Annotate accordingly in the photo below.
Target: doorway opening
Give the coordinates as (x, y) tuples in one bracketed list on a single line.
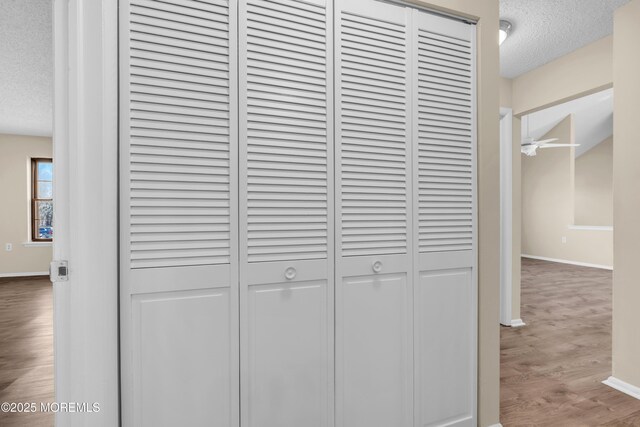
[(552, 369), (27, 226)]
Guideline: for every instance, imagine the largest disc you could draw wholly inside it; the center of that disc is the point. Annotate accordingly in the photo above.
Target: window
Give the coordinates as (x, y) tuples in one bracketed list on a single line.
[(42, 200)]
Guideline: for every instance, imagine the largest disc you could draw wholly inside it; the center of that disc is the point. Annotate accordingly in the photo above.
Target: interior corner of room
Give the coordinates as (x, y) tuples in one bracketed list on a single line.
[(20, 254), (561, 215), (26, 211), (558, 204), (26, 111)]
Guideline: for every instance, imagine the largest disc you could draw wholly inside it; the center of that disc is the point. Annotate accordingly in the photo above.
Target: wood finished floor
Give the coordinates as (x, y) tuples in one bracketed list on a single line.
[(552, 368), (26, 348)]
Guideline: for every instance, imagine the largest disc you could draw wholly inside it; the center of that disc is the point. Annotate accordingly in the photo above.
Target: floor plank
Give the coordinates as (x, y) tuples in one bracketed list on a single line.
[(551, 369), (26, 348)]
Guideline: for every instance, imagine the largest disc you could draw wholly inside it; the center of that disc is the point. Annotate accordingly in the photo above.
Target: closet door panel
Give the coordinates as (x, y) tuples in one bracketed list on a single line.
[(288, 369), (445, 296), (174, 359), (178, 212), (446, 320), (374, 333), (286, 212), (373, 260)]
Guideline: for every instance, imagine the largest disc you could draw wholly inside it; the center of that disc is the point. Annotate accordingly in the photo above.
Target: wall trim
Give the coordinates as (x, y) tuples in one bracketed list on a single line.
[(622, 386), (506, 215), (517, 323), (496, 425), (37, 273), (37, 244), (564, 261), (591, 227)]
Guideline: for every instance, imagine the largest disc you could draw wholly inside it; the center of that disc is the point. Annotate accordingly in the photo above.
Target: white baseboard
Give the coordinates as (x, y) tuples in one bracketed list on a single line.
[(564, 261), (37, 244), (516, 323), (622, 386), (591, 227), (37, 273), (496, 425)]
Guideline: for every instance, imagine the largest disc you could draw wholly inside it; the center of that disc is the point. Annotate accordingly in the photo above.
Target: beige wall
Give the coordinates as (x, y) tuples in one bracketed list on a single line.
[(586, 70), (506, 99), (626, 194), (488, 200), (547, 207), (15, 154), (594, 185)]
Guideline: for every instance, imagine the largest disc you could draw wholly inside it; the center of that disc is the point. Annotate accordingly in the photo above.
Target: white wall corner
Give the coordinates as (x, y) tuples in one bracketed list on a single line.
[(506, 215), (622, 386), (517, 323), (85, 141)]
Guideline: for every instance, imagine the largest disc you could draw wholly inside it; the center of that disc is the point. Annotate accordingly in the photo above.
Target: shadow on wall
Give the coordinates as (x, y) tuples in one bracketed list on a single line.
[(594, 186)]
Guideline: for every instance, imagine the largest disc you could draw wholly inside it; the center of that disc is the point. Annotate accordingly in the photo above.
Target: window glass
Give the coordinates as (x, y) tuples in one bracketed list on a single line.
[(45, 190), (42, 200)]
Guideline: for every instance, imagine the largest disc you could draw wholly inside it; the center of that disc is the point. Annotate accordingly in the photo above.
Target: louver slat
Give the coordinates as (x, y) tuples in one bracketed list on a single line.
[(445, 186), (286, 131), (179, 134), (373, 136)]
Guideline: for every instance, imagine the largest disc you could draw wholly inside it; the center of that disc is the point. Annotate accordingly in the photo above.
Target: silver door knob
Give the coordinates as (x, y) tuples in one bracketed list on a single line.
[(377, 267), (290, 273)]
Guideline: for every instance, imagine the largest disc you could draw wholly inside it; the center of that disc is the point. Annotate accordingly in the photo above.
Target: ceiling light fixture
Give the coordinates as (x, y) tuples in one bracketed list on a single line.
[(505, 30)]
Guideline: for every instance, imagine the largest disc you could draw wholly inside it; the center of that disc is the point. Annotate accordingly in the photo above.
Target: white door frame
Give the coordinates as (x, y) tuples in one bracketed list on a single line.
[(506, 215), (86, 210)]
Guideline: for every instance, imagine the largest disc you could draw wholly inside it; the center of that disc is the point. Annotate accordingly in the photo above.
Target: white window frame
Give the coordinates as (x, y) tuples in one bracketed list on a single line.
[(31, 194), (29, 242)]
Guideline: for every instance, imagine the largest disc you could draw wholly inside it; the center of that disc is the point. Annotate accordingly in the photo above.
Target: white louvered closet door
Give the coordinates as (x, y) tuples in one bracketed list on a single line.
[(373, 215), (445, 291), (286, 207), (179, 268)]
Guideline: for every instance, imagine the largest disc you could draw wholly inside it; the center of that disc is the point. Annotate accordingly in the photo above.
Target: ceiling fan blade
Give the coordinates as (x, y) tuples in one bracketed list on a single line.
[(558, 145), (544, 141), (530, 141)]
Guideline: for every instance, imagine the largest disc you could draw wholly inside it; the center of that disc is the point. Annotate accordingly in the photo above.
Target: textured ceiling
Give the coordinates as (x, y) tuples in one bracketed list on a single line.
[(592, 120), (26, 67), (544, 30)]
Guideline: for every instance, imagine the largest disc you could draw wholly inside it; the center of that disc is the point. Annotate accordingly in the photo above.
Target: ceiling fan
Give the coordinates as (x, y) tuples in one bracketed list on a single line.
[(529, 145)]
